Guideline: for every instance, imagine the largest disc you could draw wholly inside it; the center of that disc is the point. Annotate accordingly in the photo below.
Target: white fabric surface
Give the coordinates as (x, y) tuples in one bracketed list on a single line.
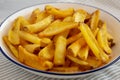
[(9, 71)]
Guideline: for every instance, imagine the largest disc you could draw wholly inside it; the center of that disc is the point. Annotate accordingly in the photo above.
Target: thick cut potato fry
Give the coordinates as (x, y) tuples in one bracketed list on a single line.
[(58, 28), (95, 20), (34, 15), (39, 26), (47, 52), (31, 59), (29, 37), (59, 13), (31, 47), (90, 39), (60, 49), (75, 46), (102, 39), (76, 60), (83, 52), (12, 48), (13, 34), (92, 42)]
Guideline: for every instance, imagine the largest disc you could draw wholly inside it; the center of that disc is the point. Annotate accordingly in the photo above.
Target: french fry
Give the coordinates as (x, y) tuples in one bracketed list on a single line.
[(39, 26), (30, 59), (34, 15), (47, 52), (12, 48), (102, 39), (58, 28), (29, 37), (13, 34), (92, 43), (31, 47), (90, 39), (76, 60), (59, 13), (75, 46), (95, 20), (60, 49), (83, 52)]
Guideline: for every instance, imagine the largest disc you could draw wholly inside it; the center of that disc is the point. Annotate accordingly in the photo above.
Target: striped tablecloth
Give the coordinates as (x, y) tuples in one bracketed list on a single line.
[(9, 71)]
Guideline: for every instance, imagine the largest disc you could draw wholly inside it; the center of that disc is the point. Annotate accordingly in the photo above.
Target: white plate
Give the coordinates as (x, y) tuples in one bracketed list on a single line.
[(113, 25)]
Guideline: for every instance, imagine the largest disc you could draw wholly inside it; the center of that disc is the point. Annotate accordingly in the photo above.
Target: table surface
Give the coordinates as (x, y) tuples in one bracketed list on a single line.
[(10, 71)]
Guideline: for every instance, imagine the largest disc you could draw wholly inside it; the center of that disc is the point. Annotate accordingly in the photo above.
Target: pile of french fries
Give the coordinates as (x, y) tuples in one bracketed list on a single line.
[(59, 40)]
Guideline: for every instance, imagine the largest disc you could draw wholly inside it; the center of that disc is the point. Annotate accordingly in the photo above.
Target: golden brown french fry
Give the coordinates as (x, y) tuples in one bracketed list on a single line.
[(92, 43), (58, 27), (31, 47), (76, 60), (39, 26), (73, 38), (83, 52), (90, 39), (60, 49), (29, 37), (95, 20), (102, 39), (12, 48), (75, 46), (13, 34), (34, 15), (59, 13), (31, 59), (47, 52)]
